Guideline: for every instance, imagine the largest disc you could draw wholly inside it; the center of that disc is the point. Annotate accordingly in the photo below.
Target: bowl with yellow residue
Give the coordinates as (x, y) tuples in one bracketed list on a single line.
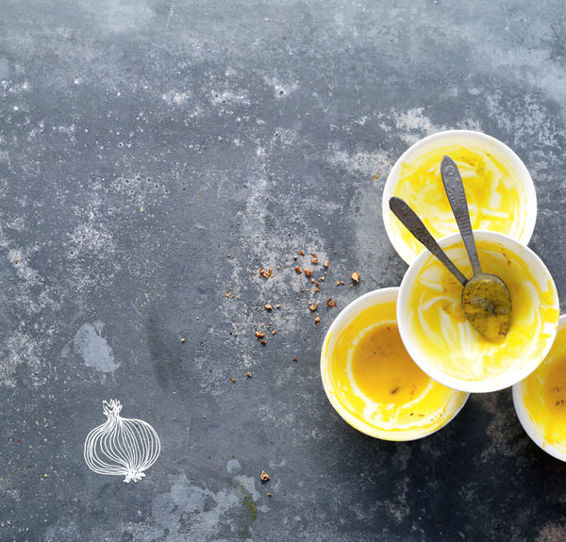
[(500, 192), (372, 382), (540, 399), (442, 341)]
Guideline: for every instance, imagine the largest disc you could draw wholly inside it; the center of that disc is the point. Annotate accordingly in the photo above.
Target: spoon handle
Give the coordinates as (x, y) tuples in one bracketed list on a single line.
[(457, 198), (415, 225)]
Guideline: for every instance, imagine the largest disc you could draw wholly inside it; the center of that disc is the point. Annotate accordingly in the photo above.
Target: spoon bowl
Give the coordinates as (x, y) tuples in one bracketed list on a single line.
[(487, 305)]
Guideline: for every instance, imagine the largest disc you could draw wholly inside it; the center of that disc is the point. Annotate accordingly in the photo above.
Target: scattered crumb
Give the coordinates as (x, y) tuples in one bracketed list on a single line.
[(263, 341), (198, 317), (268, 307), (228, 255), (46, 475), (277, 306), (313, 306), (259, 335), (330, 303), (308, 272), (233, 380), (294, 358), (16, 262), (314, 260), (326, 264), (269, 495), (273, 331), (301, 252), (334, 252), (141, 209), (355, 277), (316, 289), (264, 477), (249, 374), (266, 273), (298, 270), (317, 320), (183, 339), (378, 175)]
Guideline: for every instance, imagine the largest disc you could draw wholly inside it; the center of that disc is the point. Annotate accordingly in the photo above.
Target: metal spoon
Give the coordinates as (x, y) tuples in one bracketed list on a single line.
[(415, 225), (485, 298)]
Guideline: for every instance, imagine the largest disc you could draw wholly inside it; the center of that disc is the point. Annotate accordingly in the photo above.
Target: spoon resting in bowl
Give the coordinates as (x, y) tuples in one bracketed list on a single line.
[(481, 313), (485, 298)]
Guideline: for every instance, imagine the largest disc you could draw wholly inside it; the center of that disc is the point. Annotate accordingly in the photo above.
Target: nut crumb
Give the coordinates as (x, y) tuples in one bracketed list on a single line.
[(16, 262), (294, 358), (259, 335), (308, 272), (183, 339), (314, 260), (317, 320), (273, 331), (264, 477), (233, 380), (330, 303), (266, 273), (249, 374), (313, 306), (301, 252), (268, 307), (313, 254), (269, 495), (355, 277), (334, 252), (326, 264), (316, 290), (277, 306), (298, 270), (263, 341)]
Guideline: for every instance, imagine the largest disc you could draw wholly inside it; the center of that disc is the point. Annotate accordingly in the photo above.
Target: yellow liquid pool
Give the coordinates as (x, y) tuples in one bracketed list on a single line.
[(383, 369), (496, 197), (450, 343)]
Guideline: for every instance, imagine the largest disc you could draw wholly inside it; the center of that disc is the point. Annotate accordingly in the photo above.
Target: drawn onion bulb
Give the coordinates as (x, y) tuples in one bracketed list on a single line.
[(121, 446)]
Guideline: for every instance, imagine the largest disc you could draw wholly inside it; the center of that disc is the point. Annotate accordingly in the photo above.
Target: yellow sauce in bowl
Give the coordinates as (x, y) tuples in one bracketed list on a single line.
[(543, 394), (452, 350), (374, 384), (497, 191)]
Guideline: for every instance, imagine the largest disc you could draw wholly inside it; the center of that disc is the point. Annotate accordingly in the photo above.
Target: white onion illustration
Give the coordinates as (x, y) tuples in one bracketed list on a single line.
[(121, 446)]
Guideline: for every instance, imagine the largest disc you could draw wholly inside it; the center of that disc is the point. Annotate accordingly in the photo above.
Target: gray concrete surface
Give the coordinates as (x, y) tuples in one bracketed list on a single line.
[(153, 155)]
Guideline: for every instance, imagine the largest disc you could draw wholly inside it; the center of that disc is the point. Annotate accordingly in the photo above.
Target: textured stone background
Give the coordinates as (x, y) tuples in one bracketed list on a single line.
[(249, 128)]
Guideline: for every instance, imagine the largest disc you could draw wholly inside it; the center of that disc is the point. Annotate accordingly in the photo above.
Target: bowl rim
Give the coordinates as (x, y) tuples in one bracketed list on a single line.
[(392, 179), (521, 410), (381, 295), (475, 386)]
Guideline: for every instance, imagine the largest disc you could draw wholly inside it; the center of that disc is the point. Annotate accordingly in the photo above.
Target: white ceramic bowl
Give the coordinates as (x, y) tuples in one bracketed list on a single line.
[(520, 227), (349, 406), (536, 431), (443, 343)]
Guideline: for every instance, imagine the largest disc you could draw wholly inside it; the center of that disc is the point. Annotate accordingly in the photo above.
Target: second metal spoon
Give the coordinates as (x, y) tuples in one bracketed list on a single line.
[(485, 298)]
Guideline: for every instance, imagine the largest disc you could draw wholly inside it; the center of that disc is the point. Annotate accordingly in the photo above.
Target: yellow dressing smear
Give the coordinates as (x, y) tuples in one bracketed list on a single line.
[(544, 394), (377, 382), (442, 332), (493, 189)]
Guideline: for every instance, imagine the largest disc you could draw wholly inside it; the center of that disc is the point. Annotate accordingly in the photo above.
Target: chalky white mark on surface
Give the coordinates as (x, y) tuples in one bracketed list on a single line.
[(93, 347), (213, 508)]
